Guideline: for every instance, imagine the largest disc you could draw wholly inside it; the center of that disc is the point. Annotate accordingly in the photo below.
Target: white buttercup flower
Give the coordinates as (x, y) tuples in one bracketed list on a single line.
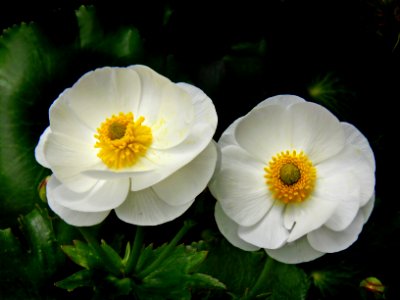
[(293, 180), (131, 140)]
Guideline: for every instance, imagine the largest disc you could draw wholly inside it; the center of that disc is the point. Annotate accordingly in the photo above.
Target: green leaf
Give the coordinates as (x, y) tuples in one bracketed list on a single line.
[(177, 275), (27, 61), (113, 256), (119, 286), (287, 282), (82, 254), (45, 254), (89, 28), (13, 275), (79, 279), (24, 273), (123, 45), (224, 260)]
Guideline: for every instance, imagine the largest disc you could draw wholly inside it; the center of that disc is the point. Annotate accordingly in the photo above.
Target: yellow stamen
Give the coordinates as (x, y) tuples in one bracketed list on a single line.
[(290, 176), (122, 141)]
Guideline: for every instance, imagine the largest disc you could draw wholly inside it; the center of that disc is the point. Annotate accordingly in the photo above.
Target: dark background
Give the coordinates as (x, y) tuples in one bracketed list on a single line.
[(240, 54), (291, 44)]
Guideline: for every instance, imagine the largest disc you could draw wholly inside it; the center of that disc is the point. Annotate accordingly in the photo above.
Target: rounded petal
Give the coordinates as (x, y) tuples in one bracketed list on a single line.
[(72, 217), (366, 210), (355, 138), (188, 182), (329, 241), (229, 230), (316, 131), (228, 136), (147, 209), (64, 121), (174, 119), (351, 162), (344, 214), (311, 214), (158, 164), (295, 252), (283, 100), (268, 233), (240, 188), (39, 150), (99, 94), (104, 195), (264, 132), (204, 108), (68, 158)]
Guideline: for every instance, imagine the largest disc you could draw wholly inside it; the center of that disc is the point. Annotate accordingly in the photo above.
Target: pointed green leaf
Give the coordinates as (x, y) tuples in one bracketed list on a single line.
[(177, 274), (82, 254), (79, 279), (127, 254), (113, 256), (90, 32)]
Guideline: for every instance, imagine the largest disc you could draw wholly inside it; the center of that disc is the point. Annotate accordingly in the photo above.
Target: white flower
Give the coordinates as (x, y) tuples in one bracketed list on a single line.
[(293, 180), (127, 139)]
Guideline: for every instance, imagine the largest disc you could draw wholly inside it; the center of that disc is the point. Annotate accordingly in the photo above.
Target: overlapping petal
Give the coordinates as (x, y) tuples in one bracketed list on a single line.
[(145, 207), (160, 185), (330, 217), (296, 252), (240, 187), (72, 217), (189, 181), (229, 230)]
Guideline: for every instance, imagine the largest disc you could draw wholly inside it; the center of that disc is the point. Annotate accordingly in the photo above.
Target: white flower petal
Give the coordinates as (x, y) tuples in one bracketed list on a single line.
[(355, 138), (240, 187), (146, 208), (295, 252), (174, 118), (314, 212), (158, 164), (344, 214), (204, 108), (262, 132), (366, 210), (269, 232), (284, 100), (105, 195), (189, 181), (351, 162), (228, 136), (315, 130), (329, 241), (68, 158), (99, 94), (348, 197), (39, 150), (72, 217), (64, 121), (170, 160), (229, 230)]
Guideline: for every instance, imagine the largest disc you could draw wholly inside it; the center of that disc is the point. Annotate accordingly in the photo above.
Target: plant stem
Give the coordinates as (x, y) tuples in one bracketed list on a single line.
[(154, 265), (262, 278), (136, 248)]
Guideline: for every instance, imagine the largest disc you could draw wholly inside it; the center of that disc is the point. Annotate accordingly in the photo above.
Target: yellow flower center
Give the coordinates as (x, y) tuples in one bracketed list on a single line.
[(290, 176), (122, 141)]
